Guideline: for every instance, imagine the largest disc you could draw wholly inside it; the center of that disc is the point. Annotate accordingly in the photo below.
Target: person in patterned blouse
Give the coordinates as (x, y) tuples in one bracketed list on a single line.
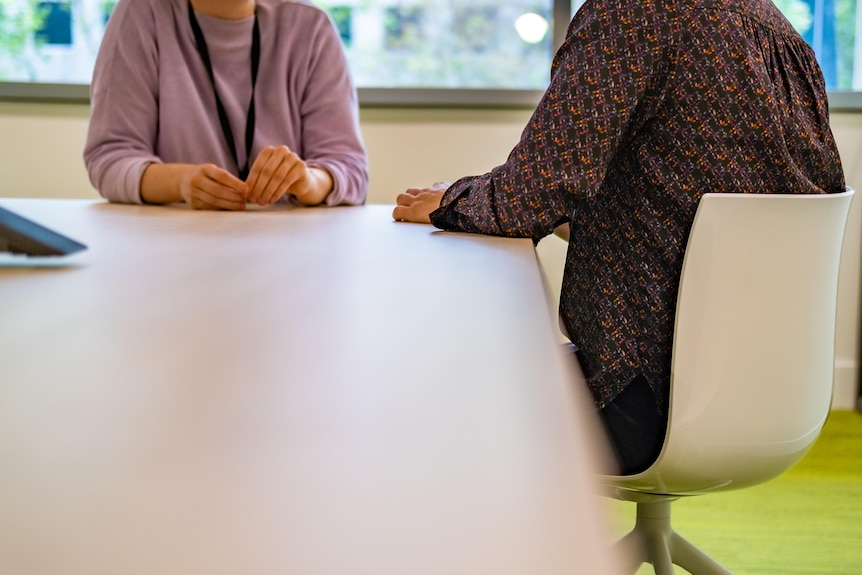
[(650, 104)]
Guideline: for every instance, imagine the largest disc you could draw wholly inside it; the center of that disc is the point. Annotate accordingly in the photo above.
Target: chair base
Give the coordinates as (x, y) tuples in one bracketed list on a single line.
[(654, 541)]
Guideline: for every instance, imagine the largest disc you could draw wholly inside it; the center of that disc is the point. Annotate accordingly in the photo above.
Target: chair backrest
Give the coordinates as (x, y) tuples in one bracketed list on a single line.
[(754, 342)]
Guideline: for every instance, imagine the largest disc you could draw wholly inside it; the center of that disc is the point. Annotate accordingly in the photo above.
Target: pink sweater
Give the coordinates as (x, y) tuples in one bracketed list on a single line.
[(152, 100)]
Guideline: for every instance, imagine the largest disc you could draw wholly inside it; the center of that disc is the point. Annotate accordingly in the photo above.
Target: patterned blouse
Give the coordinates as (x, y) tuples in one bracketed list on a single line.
[(651, 103)]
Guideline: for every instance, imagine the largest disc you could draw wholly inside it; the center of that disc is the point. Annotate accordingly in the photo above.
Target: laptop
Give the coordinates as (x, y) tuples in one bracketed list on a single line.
[(21, 236)]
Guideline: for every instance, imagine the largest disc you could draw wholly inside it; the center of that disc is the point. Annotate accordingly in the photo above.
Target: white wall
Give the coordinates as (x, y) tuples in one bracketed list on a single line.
[(848, 133), (41, 145)]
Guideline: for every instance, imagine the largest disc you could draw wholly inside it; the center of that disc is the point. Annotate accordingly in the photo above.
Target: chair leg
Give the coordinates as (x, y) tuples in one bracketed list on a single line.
[(654, 541), (632, 550), (653, 521), (660, 554), (692, 559)]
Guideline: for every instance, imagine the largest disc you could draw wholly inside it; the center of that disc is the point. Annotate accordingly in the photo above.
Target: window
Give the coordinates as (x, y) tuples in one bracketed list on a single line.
[(342, 16), (50, 41), (446, 44), (829, 26), (56, 24), (447, 51)]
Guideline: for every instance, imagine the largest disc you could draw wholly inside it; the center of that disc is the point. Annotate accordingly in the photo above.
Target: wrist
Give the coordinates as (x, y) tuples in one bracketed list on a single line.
[(162, 183), (319, 185)]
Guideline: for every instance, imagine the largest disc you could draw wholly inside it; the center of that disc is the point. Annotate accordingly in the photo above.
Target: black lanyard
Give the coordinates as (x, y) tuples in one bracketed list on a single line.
[(222, 115)]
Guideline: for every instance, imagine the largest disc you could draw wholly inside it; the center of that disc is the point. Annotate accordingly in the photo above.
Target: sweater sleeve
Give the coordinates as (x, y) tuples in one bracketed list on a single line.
[(330, 124), (124, 104)]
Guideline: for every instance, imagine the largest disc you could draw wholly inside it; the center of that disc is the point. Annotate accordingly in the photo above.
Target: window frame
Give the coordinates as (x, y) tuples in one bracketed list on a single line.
[(839, 101)]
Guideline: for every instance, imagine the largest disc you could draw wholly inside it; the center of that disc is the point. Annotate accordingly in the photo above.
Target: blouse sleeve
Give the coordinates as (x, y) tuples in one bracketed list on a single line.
[(600, 75)]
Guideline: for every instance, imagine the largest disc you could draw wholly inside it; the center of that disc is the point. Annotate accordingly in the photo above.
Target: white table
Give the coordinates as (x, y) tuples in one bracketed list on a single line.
[(307, 391)]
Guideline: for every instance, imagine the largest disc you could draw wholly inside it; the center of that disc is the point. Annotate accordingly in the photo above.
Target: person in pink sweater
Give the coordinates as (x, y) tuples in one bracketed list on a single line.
[(220, 103)]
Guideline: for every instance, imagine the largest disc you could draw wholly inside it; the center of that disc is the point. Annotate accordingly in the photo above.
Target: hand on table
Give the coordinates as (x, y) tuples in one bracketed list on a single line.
[(416, 204), (208, 187), (278, 171)]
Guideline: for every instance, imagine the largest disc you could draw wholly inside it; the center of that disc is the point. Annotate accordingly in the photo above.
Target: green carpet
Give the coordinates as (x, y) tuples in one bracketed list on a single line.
[(806, 522)]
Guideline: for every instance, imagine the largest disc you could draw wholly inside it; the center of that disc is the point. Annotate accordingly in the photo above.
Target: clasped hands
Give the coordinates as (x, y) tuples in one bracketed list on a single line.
[(276, 171)]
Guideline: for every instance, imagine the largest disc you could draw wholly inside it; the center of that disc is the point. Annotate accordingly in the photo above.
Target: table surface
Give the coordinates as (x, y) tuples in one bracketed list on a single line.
[(305, 391)]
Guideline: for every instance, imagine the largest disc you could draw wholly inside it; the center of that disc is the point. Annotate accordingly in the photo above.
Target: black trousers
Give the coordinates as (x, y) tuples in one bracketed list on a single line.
[(634, 425)]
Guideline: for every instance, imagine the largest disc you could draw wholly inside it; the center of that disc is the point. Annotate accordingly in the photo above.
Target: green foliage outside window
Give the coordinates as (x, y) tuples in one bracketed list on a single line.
[(18, 25), (845, 34), (400, 43)]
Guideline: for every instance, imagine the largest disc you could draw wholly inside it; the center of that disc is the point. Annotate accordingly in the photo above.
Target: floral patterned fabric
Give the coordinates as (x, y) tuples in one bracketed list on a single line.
[(651, 103)]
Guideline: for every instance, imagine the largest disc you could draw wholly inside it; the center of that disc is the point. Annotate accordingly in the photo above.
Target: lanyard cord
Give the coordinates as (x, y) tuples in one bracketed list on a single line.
[(222, 115)]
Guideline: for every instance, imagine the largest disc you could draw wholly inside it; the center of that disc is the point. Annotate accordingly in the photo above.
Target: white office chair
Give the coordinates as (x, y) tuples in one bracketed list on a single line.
[(752, 363)]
